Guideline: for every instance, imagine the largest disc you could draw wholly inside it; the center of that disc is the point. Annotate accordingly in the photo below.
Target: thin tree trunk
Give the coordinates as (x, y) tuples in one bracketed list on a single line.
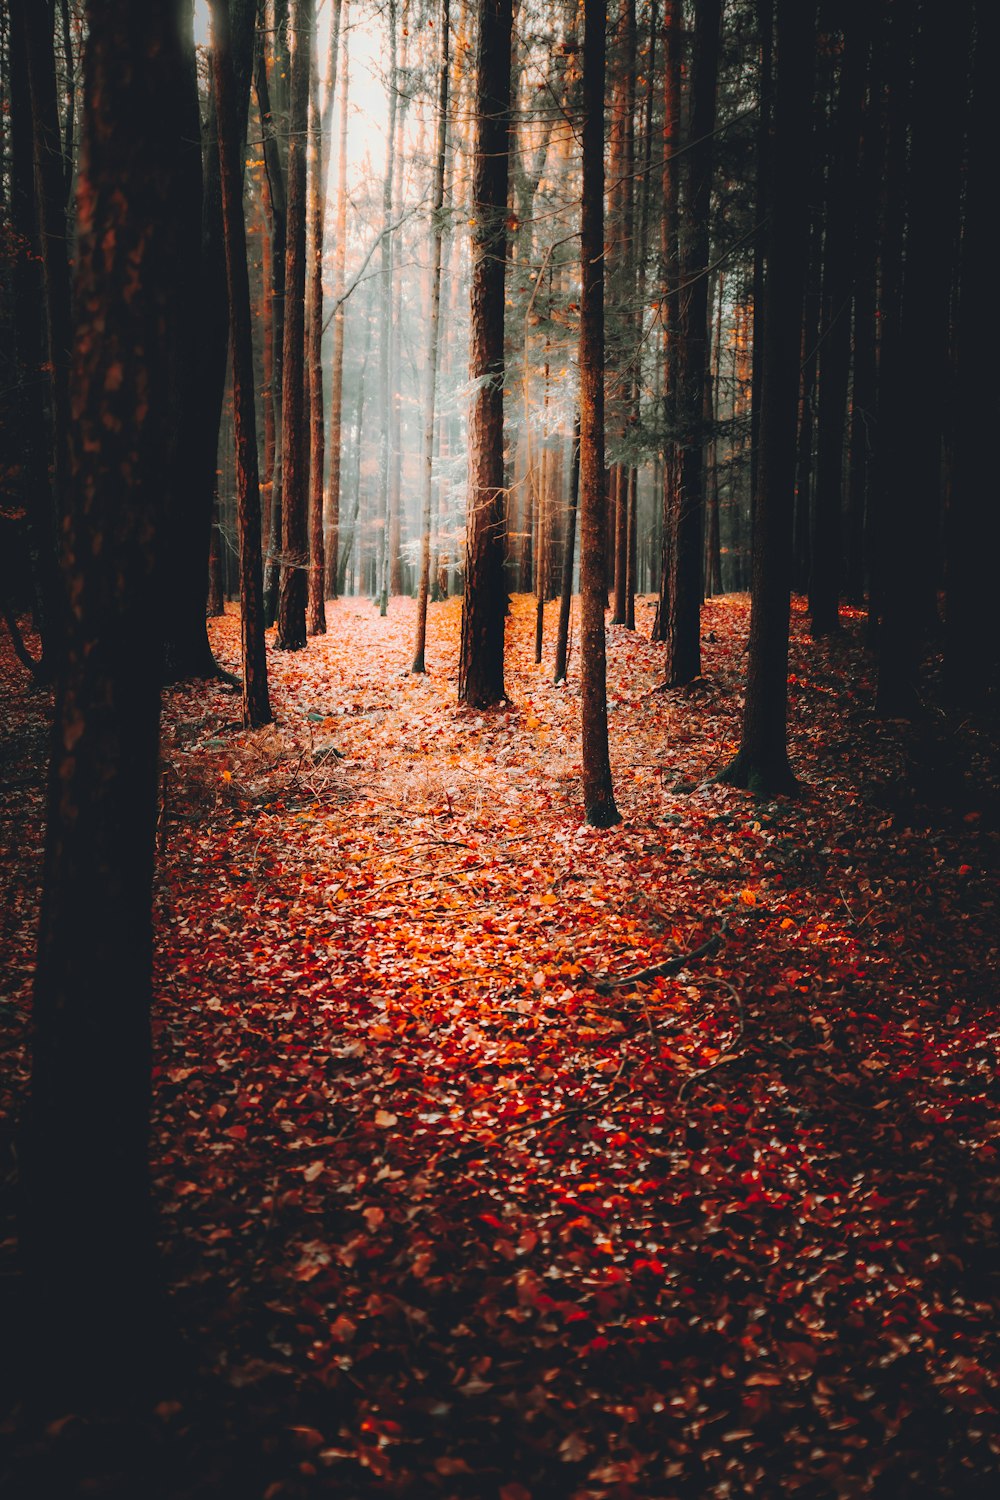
[(669, 283), (433, 341), (294, 430), (598, 792), (566, 590), (337, 367), (277, 200), (385, 333), (314, 332)]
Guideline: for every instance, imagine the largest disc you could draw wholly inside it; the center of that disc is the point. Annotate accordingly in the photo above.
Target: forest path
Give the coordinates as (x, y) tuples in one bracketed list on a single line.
[(448, 1221)]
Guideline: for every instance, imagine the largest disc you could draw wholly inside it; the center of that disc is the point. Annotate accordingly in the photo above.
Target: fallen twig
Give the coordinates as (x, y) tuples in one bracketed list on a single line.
[(606, 984)]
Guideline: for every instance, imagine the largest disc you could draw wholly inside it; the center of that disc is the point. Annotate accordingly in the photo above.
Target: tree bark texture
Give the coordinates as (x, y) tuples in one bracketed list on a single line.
[(761, 764), (684, 606), (433, 340), (88, 1236), (256, 704), (294, 427), (598, 793), (480, 671)]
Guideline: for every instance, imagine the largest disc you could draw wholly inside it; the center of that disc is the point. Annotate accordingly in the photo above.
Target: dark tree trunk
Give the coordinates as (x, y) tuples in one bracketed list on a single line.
[(598, 792), (229, 110), (669, 294), (433, 340), (825, 564), (32, 423), (620, 287), (88, 1234), (314, 334), (761, 764), (294, 428), (683, 662), (765, 127), (480, 670), (916, 390), (566, 590), (275, 177), (972, 667), (337, 367)]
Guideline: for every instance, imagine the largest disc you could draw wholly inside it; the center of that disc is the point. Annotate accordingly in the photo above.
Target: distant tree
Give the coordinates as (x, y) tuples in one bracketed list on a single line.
[(294, 427), (598, 792), (87, 1231), (480, 670), (333, 492)]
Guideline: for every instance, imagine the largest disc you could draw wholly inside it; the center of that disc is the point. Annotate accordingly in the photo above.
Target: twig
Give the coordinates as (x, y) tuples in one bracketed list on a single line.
[(606, 984), (735, 1049)]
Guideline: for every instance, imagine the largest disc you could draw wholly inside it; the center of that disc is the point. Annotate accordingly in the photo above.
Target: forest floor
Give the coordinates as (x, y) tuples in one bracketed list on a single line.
[(443, 1218)]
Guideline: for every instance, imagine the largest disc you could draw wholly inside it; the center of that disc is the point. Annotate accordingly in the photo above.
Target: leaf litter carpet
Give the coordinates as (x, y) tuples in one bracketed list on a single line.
[(451, 1203)]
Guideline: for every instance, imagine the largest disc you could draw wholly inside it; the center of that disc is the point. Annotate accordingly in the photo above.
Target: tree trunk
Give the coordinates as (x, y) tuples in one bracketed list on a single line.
[(433, 340), (85, 1177), (314, 334), (229, 110), (683, 662), (598, 792), (566, 590), (826, 568), (761, 764), (480, 670), (385, 330), (277, 201), (669, 282), (294, 428), (971, 659), (337, 367)]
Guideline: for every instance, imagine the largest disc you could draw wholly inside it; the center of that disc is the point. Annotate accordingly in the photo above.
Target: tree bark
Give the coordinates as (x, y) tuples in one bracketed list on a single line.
[(294, 428), (433, 341), (337, 366), (683, 662), (256, 704), (598, 792), (85, 1175), (761, 764), (385, 331), (480, 670), (669, 283), (316, 620)]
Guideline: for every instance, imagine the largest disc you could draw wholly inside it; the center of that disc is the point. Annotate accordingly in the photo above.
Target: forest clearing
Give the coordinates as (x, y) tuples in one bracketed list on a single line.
[(441, 1213)]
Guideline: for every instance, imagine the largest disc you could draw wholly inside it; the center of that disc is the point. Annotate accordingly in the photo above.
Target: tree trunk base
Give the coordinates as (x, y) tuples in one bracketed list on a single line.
[(763, 779)]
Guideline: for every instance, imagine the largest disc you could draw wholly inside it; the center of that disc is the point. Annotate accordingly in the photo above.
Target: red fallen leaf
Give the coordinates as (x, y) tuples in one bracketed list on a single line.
[(514, 1491), (449, 1466)]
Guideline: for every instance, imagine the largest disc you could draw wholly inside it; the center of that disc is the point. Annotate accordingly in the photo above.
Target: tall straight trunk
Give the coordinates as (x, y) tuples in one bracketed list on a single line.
[(683, 661), (35, 20), (256, 703), (194, 493), (713, 529), (669, 284), (274, 172), (385, 331), (620, 284), (480, 670), (433, 341), (396, 517), (971, 656), (337, 365), (267, 392), (807, 398), (865, 344), (825, 568), (598, 792), (916, 393), (294, 428), (314, 334), (761, 764), (351, 543), (765, 127), (85, 1175), (566, 589), (638, 315), (30, 356)]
